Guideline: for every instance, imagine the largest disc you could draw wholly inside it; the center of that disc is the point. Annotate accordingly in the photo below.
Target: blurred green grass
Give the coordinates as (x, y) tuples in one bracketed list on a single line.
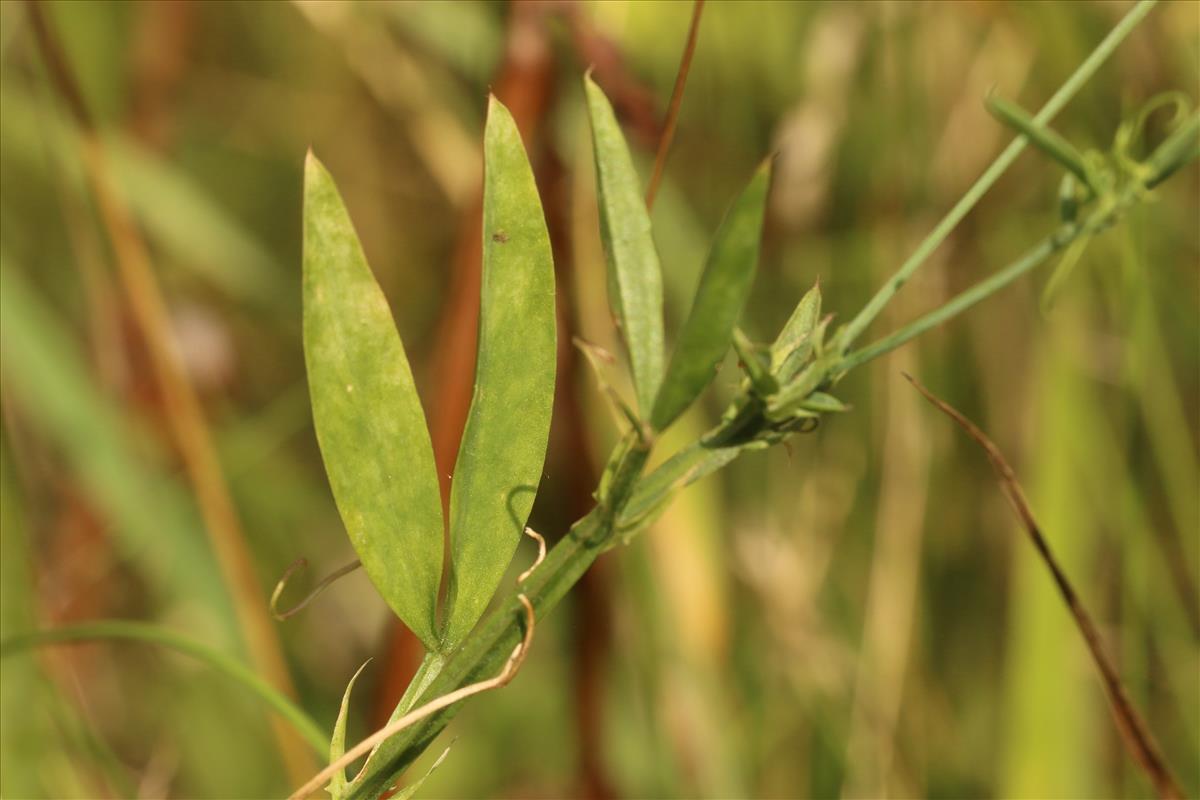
[(858, 616)]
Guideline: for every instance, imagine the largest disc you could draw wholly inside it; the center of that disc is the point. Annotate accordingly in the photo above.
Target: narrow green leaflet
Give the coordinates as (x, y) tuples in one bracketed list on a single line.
[(337, 744), (634, 275), (822, 403), (795, 342), (724, 287), (1043, 138), (504, 444), (367, 414)]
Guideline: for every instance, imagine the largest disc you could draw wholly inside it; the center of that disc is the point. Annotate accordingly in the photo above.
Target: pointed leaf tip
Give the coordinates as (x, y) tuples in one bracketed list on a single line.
[(798, 339), (314, 169)]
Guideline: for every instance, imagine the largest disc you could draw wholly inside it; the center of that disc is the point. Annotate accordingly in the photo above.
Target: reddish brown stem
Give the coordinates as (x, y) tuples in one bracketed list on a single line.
[(668, 134), (1133, 729)]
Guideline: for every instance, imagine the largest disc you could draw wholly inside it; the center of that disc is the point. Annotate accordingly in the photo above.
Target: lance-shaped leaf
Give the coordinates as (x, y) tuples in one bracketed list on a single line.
[(367, 415), (822, 403), (634, 275), (724, 287), (1043, 138), (504, 443), (795, 342)]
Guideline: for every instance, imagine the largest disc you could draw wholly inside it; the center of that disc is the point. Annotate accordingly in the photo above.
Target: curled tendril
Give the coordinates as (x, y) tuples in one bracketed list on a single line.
[(296, 566), (1131, 132), (1126, 168)]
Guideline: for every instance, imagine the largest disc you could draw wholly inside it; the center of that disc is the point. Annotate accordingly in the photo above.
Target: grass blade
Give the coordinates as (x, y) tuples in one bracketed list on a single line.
[(164, 637), (367, 415), (504, 444), (149, 510), (634, 274), (722, 293)]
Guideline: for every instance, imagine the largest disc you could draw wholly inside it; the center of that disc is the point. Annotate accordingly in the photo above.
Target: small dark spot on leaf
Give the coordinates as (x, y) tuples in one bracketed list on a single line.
[(500, 236)]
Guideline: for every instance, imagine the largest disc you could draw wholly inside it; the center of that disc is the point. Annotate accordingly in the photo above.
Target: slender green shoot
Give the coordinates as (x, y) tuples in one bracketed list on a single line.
[(1035, 256), (155, 634), (871, 310), (1177, 149)]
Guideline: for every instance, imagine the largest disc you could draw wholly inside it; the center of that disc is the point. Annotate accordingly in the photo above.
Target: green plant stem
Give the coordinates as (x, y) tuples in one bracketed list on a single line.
[(1179, 148), (931, 242), (428, 670), (155, 634), (485, 651), (1038, 254)]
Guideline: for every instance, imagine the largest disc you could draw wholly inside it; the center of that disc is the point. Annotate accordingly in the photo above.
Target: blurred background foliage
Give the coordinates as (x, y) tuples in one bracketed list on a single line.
[(856, 615)]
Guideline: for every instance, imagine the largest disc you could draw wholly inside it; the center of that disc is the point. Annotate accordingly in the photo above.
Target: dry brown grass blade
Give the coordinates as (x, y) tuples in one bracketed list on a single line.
[(1132, 727), (432, 707), (685, 66), (185, 416)]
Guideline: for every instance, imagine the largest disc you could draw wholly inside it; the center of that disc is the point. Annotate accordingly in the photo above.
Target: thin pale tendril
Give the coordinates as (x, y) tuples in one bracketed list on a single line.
[(432, 707), (296, 566), (540, 556), (366, 745)]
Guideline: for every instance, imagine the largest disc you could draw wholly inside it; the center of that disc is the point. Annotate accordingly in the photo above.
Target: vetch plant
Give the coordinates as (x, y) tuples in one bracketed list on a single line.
[(376, 446), (375, 443)]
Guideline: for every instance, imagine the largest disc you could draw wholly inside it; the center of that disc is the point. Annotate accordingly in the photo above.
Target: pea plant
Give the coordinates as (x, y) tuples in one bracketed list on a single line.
[(376, 445)]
